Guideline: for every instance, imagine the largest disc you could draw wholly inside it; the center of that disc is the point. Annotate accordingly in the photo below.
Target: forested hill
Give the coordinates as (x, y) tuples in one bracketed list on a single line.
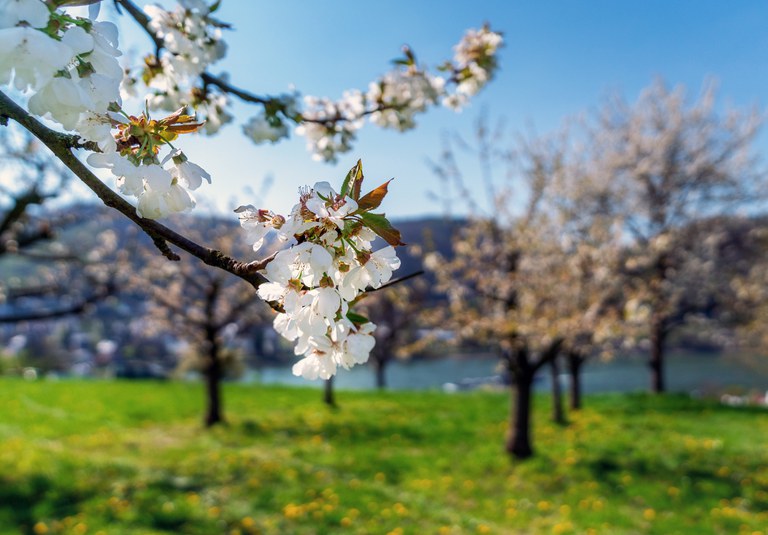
[(79, 225)]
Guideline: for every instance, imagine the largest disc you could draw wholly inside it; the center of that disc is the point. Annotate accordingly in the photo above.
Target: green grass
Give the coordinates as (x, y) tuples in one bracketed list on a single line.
[(132, 458)]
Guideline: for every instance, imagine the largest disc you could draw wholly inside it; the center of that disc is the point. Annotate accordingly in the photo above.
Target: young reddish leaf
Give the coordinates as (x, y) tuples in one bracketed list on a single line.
[(381, 226), (186, 128), (174, 117), (373, 199), (357, 182)]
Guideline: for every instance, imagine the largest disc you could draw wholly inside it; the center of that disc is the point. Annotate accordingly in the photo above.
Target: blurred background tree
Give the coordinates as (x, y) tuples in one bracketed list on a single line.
[(208, 309), (38, 264), (397, 311), (666, 163), (600, 237)]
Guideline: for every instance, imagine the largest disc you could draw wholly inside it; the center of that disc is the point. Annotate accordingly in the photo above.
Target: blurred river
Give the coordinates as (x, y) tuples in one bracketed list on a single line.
[(686, 372)]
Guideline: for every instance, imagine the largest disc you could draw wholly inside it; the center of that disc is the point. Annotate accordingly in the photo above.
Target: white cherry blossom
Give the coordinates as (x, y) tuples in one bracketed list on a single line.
[(97, 127), (33, 12), (179, 199), (315, 366), (259, 130), (61, 99), (30, 57), (188, 174), (381, 264)]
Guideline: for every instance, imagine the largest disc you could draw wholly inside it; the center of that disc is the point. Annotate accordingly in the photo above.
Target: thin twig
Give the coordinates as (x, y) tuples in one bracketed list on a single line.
[(103, 292), (396, 281)]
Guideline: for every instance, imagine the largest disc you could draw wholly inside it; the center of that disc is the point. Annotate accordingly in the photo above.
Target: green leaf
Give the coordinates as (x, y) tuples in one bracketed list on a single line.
[(381, 226), (347, 180), (353, 181), (72, 3), (351, 227), (373, 199), (357, 319)]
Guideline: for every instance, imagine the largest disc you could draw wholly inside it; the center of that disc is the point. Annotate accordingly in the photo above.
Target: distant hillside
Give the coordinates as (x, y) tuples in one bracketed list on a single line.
[(429, 234), (86, 220)]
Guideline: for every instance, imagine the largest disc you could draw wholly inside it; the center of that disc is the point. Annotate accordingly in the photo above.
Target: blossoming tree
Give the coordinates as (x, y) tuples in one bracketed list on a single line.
[(501, 292), (398, 314), (592, 249), (666, 164), (532, 280), (64, 67), (503, 279), (204, 307)]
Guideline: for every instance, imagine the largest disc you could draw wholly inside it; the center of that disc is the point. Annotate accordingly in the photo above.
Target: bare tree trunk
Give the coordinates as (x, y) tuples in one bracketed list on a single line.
[(658, 326), (213, 372), (656, 362), (381, 379), (519, 438), (558, 412), (328, 395), (575, 360)]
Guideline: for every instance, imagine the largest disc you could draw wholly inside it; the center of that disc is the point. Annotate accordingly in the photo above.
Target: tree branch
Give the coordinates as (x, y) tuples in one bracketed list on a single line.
[(548, 354), (49, 257), (31, 196), (62, 144), (141, 18), (209, 79), (76, 308)]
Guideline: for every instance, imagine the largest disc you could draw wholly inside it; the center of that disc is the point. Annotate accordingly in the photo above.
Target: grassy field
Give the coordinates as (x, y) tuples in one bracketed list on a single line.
[(132, 458)]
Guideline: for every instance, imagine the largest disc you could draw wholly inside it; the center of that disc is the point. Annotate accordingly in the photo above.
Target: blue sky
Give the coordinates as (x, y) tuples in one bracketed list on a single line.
[(560, 59)]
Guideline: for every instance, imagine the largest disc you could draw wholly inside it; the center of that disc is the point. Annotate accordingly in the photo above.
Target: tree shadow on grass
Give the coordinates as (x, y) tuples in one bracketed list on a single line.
[(610, 471), (361, 431), (24, 502), (681, 403), (41, 498)]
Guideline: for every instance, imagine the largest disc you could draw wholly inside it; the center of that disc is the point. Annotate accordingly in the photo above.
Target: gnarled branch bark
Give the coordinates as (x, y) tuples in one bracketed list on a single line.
[(62, 146)]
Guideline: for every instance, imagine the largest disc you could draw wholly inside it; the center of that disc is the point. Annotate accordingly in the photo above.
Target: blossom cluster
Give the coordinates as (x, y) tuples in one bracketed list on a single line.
[(397, 97), (138, 167), (330, 264), (191, 41), (330, 126), (160, 190), (69, 68), (474, 64), (271, 124)]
